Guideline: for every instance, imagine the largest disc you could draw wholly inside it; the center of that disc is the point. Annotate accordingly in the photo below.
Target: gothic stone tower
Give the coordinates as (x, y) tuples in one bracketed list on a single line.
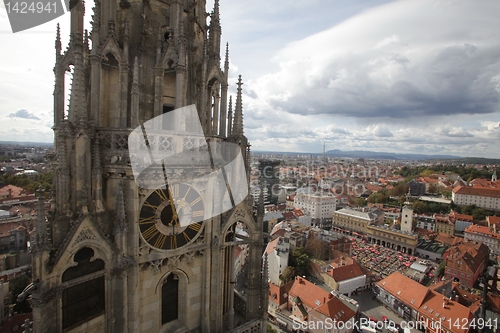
[(96, 268)]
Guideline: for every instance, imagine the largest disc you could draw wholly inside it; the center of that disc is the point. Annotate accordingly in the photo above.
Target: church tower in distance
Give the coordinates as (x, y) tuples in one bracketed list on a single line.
[(111, 256)]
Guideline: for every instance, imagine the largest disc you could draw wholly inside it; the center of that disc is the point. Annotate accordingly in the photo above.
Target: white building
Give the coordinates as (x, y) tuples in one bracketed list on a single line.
[(277, 251), (319, 207), (481, 197), (255, 193), (482, 193), (486, 235)]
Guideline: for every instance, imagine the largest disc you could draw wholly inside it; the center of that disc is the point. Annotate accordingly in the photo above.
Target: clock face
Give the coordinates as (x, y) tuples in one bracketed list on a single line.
[(171, 216)]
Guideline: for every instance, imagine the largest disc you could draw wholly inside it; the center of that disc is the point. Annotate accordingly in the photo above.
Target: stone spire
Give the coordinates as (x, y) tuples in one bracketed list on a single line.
[(265, 286), (58, 42), (96, 26), (238, 112), (215, 32), (494, 177), (230, 116), (41, 241), (226, 61)]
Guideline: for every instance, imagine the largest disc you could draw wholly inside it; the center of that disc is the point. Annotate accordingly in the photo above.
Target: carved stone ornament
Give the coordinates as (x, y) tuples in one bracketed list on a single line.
[(125, 262), (239, 214), (189, 257), (156, 265), (173, 262), (85, 234)]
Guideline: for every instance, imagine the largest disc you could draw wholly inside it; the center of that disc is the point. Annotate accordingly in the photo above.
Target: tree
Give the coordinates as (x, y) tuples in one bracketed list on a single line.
[(432, 189), (317, 248), (440, 269), (400, 189), (287, 275), (299, 260), (360, 202), (446, 194), (478, 214), (420, 207)]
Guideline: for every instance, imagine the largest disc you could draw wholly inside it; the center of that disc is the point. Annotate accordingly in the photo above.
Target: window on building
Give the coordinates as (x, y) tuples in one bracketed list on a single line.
[(170, 299), (86, 299)]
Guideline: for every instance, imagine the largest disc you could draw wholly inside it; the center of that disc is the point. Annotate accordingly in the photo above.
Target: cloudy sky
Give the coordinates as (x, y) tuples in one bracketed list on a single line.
[(409, 76)]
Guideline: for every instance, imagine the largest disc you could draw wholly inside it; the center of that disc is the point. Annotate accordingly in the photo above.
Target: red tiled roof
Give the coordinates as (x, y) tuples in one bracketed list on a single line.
[(405, 289), (493, 219), (15, 191), (279, 233), (436, 307), (483, 182), (309, 293), (477, 191), (479, 229), (448, 239), (427, 302), (346, 272), (473, 254), (272, 245), (334, 308)]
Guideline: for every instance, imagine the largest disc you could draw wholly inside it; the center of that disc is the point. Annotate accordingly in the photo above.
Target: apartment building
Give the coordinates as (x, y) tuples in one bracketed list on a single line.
[(486, 235), (465, 262), (357, 219)]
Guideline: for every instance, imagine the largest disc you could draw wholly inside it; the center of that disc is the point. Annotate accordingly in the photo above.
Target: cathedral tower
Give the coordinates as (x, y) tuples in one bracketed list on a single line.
[(114, 257)]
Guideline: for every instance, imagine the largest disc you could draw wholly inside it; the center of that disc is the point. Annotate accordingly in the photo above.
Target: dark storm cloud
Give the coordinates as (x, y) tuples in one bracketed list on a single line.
[(398, 68)]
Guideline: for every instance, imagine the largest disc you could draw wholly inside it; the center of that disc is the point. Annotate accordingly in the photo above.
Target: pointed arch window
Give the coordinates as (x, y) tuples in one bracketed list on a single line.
[(83, 297), (170, 299), (110, 91)]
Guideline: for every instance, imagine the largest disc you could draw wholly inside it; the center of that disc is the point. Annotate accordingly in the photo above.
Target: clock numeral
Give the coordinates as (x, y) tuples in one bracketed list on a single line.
[(147, 220), (173, 242), (147, 204), (161, 194), (174, 190), (186, 237), (160, 242), (149, 233), (195, 201), (198, 213), (185, 195), (195, 226)]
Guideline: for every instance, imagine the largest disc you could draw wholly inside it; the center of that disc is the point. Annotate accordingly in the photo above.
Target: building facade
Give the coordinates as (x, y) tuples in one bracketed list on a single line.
[(465, 262), (116, 254), (487, 197), (486, 235), (319, 207), (357, 219)]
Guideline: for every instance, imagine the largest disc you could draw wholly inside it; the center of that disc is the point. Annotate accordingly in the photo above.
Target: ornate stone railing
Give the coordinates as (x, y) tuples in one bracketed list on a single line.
[(115, 145)]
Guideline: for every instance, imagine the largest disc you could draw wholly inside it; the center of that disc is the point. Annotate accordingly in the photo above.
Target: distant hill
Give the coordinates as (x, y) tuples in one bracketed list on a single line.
[(386, 155), (445, 159), (27, 144)]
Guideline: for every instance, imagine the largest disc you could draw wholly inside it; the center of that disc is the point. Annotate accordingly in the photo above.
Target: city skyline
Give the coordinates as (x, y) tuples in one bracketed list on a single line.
[(411, 76)]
